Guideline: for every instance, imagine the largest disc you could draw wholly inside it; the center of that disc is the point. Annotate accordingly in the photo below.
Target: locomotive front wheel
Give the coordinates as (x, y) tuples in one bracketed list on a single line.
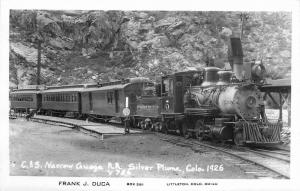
[(159, 126), (164, 128), (201, 130), (238, 138)]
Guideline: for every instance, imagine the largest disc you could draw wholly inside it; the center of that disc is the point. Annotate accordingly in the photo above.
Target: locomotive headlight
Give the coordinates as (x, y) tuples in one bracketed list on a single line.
[(251, 102)]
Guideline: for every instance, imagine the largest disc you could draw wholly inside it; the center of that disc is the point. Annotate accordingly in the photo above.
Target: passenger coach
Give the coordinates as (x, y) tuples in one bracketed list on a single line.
[(62, 100), (22, 100), (107, 100)]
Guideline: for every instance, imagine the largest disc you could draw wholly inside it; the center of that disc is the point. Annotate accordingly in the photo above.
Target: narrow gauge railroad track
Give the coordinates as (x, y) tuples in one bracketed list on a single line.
[(283, 156), (270, 152), (251, 162), (254, 162), (277, 151)]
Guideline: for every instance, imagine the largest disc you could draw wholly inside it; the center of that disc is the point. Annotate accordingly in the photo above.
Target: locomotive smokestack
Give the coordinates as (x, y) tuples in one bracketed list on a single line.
[(235, 56)]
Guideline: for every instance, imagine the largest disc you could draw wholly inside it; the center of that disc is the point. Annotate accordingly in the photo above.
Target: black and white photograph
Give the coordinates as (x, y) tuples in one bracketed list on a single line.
[(135, 98)]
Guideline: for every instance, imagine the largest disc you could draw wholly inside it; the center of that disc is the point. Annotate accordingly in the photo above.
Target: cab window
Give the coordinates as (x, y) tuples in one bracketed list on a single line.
[(168, 87), (148, 89)]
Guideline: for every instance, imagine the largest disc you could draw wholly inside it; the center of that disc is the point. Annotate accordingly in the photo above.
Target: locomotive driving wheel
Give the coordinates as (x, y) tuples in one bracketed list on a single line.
[(238, 138), (201, 130), (164, 127), (184, 130)]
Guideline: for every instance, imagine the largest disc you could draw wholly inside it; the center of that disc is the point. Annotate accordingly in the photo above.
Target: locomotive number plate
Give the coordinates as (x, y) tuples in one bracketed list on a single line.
[(126, 111)]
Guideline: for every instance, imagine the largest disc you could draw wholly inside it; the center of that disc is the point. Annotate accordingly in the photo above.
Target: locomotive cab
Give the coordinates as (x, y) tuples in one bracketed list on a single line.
[(173, 88)]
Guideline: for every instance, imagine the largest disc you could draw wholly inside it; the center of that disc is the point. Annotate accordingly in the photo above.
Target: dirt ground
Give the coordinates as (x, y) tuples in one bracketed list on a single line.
[(38, 149)]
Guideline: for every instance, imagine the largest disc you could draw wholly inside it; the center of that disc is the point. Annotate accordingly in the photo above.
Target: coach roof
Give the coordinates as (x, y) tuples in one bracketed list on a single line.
[(58, 90), (25, 92), (111, 87)]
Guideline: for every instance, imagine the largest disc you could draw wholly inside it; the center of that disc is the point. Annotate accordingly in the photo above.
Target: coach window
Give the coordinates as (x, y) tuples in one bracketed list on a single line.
[(166, 87), (109, 96), (149, 89), (171, 87), (75, 98)]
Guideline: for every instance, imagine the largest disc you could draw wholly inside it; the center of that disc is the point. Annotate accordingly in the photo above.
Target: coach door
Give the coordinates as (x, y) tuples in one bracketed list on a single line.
[(90, 101), (79, 101), (39, 101), (116, 101)]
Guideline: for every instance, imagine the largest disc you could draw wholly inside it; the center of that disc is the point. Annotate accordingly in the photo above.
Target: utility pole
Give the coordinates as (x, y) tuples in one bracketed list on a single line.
[(38, 39), (38, 75), (244, 17)]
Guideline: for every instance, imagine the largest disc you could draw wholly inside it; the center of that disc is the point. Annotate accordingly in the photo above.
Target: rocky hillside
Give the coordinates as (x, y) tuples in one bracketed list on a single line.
[(86, 46)]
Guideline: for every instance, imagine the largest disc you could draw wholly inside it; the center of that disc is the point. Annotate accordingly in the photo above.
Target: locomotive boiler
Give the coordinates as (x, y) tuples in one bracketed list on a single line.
[(240, 99), (221, 109)]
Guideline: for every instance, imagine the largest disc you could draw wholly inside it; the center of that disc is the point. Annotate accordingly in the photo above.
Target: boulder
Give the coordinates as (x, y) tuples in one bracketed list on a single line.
[(28, 53), (61, 44), (160, 41)]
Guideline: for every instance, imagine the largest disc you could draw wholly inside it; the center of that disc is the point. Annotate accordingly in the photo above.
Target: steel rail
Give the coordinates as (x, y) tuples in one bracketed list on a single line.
[(228, 152)]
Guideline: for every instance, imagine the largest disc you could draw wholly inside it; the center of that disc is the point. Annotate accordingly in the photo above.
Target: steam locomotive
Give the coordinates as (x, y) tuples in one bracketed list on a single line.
[(209, 103)]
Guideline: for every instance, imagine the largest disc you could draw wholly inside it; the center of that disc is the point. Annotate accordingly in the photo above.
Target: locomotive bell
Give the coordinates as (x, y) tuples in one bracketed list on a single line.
[(211, 76), (258, 71), (224, 77)]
